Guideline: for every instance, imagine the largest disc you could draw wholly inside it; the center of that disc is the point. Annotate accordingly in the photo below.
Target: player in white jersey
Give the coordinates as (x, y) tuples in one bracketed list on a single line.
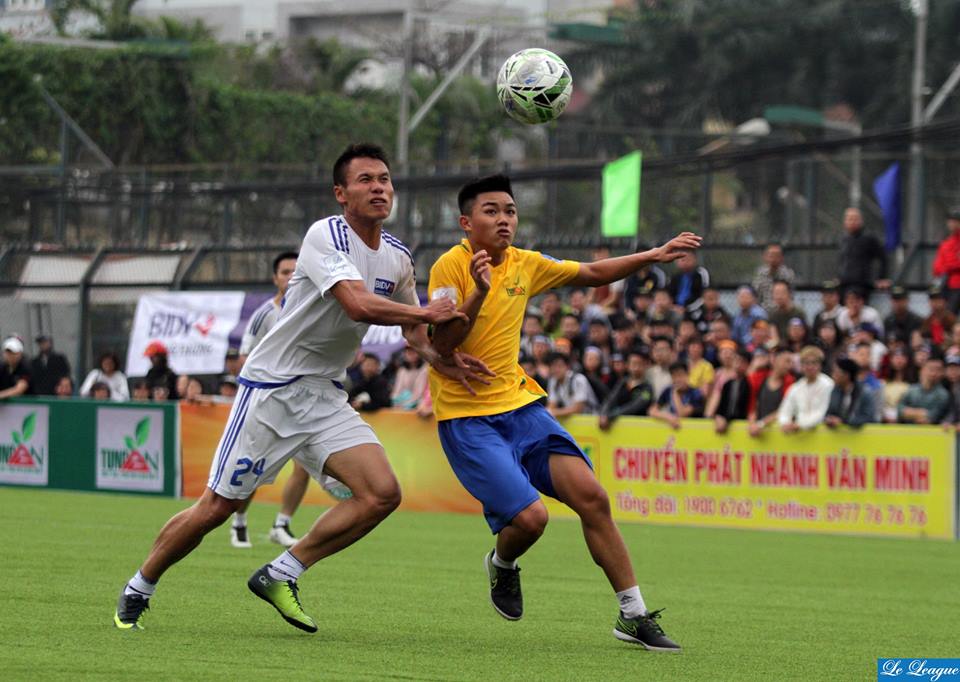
[(261, 322), (350, 274)]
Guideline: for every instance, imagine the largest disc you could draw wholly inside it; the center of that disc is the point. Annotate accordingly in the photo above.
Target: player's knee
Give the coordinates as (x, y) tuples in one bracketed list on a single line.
[(532, 520), (384, 497), (593, 502), (213, 510)]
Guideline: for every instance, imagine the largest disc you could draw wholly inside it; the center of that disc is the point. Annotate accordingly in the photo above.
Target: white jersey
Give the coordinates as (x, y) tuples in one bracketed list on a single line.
[(314, 336), (261, 322)]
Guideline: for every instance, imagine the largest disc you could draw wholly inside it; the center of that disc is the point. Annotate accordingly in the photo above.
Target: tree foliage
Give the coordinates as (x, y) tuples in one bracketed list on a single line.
[(685, 61), (151, 104)]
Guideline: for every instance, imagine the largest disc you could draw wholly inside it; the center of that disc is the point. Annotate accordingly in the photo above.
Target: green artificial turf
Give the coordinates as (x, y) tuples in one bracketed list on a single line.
[(410, 602)]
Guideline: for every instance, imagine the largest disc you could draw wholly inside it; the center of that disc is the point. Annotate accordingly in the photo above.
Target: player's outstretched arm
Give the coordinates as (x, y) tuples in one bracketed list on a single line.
[(610, 270), (363, 306)]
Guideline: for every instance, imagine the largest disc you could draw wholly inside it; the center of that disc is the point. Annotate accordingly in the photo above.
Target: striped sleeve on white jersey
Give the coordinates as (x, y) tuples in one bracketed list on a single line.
[(262, 320), (323, 256), (407, 285)]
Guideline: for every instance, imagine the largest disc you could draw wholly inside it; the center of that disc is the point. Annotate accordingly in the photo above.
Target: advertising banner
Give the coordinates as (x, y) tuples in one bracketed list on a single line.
[(130, 449), (411, 443), (24, 444), (880, 480), (83, 444), (193, 326)]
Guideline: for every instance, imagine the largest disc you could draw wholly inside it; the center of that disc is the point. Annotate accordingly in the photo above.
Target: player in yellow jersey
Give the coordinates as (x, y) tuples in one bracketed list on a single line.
[(502, 444)]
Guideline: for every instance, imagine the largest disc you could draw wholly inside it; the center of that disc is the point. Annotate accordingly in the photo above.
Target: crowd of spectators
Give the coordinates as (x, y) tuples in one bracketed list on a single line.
[(662, 346), (48, 373)]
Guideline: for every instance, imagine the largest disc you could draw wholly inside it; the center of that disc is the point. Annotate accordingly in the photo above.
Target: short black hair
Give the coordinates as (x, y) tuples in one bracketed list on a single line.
[(491, 183), (361, 150), (109, 354), (658, 339), (286, 255), (372, 356), (678, 367), (784, 283)]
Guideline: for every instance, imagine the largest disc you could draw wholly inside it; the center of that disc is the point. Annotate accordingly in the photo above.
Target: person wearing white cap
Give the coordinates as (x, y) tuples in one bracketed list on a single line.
[(14, 375)]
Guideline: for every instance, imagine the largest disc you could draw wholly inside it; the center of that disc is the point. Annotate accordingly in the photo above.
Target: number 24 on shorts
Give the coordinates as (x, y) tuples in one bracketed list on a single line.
[(244, 467)]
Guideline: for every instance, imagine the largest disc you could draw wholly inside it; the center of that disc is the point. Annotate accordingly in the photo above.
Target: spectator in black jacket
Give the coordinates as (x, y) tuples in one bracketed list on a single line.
[(371, 392), (632, 395), (711, 310), (734, 396), (687, 285), (858, 251), (47, 367), (902, 322), (851, 402), (160, 375)]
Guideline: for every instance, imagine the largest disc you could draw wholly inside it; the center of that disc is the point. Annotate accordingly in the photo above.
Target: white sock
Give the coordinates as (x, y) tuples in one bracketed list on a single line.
[(500, 563), (285, 567), (140, 585), (239, 519), (282, 520), (631, 602)]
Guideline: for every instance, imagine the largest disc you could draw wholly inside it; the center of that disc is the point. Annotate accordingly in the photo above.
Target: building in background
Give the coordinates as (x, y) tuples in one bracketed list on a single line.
[(25, 18)]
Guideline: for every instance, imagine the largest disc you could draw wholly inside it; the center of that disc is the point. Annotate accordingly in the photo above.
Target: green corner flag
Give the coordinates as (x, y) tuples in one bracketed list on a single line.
[(621, 196)]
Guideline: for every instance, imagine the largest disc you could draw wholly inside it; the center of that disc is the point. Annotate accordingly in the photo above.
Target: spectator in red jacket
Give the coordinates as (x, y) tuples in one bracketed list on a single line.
[(947, 262)]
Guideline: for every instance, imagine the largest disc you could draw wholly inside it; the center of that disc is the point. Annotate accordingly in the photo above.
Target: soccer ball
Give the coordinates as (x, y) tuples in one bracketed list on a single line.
[(534, 86)]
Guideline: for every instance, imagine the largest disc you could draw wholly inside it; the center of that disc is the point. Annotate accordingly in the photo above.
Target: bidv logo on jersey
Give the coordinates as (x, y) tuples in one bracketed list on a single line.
[(384, 287), (23, 454), (130, 449)]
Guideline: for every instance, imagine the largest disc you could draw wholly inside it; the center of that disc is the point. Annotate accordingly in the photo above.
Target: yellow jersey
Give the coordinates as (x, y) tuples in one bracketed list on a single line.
[(495, 337)]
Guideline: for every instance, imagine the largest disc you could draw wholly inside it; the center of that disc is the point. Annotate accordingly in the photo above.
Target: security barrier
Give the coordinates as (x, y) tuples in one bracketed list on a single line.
[(90, 445)]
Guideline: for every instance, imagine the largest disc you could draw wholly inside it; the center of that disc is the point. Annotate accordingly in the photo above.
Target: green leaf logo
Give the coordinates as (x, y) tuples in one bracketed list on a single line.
[(130, 444), (143, 431), (16, 437), (29, 424)]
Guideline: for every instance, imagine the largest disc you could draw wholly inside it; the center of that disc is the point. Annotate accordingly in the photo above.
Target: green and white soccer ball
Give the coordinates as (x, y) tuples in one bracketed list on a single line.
[(534, 86)]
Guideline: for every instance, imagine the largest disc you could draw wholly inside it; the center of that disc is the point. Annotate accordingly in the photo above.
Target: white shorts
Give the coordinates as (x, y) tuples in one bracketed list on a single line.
[(309, 420)]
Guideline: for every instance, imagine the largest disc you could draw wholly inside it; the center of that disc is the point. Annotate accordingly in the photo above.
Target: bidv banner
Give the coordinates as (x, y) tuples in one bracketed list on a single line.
[(194, 327)]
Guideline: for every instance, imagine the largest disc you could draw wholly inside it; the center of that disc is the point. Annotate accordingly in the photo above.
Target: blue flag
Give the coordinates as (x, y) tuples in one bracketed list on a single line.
[(887, 190)]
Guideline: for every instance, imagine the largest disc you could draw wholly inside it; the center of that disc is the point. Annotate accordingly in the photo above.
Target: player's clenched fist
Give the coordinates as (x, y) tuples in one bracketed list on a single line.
[(443, 309), (480, 270)]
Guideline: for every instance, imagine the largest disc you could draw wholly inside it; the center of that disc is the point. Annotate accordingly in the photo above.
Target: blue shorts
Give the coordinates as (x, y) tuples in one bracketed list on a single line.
[(503, 460)]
